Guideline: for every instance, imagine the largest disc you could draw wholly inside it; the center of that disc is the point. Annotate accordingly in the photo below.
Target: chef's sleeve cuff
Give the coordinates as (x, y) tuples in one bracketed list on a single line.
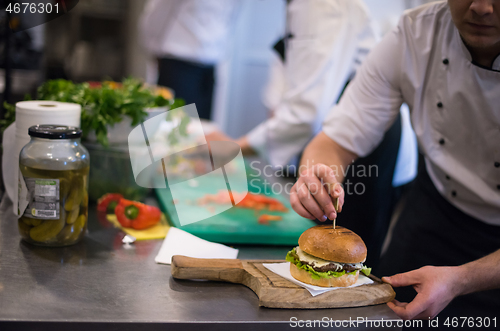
[(257, 139)]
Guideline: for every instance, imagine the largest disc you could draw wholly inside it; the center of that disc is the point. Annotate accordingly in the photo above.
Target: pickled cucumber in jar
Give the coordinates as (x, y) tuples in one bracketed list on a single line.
[(53, 187)]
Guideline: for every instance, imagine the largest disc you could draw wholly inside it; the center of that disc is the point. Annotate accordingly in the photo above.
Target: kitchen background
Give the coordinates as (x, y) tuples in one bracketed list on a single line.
[(99, 40)]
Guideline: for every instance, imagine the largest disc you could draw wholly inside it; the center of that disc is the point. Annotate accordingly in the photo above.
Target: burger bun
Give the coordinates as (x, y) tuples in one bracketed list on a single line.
[(306, 277), (338, 245)]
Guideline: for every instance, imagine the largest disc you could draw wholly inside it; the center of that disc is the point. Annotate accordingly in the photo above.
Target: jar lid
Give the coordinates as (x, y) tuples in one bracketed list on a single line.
[(49, 131)]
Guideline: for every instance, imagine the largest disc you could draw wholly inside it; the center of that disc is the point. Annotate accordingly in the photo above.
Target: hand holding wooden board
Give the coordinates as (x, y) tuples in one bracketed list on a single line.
[(275, 291)]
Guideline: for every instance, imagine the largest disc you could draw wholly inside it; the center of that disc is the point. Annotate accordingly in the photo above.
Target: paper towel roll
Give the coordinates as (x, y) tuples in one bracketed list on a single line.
[(29, 113)]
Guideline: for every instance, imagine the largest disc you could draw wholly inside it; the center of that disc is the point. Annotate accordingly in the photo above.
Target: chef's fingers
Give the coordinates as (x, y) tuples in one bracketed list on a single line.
[(404, 279), (307, 200), (297, 206), (217, 136), (327, 175), (395, 306), (397, 303), (320, 194), (412, 309), (338, 193)]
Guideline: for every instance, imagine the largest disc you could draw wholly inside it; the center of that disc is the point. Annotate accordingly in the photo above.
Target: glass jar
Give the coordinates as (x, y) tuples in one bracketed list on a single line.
[(53, 198)]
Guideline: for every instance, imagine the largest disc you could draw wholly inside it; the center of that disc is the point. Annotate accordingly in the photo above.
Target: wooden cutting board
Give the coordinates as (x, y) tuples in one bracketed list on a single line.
[(275, 291)]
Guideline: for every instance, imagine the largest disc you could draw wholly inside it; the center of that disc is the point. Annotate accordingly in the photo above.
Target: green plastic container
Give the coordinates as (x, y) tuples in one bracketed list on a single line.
[(239, 225), (111, 172)]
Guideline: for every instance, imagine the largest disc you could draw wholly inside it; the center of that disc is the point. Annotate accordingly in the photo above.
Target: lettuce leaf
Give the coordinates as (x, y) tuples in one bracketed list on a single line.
[(292, 257)]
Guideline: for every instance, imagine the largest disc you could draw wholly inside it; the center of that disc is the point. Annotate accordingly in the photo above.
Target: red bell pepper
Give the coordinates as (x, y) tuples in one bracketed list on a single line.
[(259, 202), (108, 202), (265, 218), (136, 215)]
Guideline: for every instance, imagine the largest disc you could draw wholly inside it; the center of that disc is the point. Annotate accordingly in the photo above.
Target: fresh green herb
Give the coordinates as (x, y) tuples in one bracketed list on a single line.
[(103, 104), (10, 114), (182, 120)]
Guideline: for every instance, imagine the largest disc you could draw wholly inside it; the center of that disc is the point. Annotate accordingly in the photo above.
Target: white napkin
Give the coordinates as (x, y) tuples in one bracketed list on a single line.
[(9, 161), (283, 269), (179, 242)]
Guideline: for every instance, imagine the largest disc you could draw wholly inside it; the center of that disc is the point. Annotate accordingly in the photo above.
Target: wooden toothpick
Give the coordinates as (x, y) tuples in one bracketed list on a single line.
[(336, 210)]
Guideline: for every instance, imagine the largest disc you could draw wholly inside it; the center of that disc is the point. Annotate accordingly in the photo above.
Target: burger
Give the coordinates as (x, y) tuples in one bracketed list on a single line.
[(328, 257)]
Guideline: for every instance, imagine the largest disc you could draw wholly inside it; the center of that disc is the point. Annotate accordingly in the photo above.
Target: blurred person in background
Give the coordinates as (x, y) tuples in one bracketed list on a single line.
[(189, 38), (325, 42)]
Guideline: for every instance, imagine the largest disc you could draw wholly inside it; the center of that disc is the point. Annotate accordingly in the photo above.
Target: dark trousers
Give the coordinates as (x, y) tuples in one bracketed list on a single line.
[(370, 197), (431, 231), (192, 82)]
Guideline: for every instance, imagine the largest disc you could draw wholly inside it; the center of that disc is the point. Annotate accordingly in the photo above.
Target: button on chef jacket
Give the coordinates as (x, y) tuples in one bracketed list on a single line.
[(193, 30), (455, 108), (329, 40)]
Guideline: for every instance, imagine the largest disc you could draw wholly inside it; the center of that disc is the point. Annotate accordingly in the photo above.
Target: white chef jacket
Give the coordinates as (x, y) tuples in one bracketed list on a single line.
[(193, 30), (272, 93), (406, 163), (330, 39), (455, 108)]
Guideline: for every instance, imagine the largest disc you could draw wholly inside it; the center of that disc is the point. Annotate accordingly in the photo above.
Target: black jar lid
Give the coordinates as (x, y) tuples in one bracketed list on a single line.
[(49, 131)]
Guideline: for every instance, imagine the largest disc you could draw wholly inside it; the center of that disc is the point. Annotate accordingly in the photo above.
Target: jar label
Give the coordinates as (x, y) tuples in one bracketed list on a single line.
[(43, 198)]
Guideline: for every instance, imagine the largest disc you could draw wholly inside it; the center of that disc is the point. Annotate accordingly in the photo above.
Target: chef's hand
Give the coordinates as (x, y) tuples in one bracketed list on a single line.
[(246, 149), (218, 136), (435, 286), (313, 194)]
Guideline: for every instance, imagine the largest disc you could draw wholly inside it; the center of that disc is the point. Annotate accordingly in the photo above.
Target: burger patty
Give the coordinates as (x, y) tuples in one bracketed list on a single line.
[(332, 267)]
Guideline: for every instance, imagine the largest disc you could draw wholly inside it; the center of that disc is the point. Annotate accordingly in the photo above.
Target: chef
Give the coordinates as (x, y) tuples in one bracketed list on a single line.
[(189, 38), (325, 42), (443, 60)]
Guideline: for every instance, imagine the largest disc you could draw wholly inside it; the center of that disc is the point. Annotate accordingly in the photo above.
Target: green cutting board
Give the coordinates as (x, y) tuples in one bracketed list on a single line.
[(238, 225)]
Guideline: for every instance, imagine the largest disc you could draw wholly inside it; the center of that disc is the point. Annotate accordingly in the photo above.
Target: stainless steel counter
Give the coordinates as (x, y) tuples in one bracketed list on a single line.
[(100, 284)]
